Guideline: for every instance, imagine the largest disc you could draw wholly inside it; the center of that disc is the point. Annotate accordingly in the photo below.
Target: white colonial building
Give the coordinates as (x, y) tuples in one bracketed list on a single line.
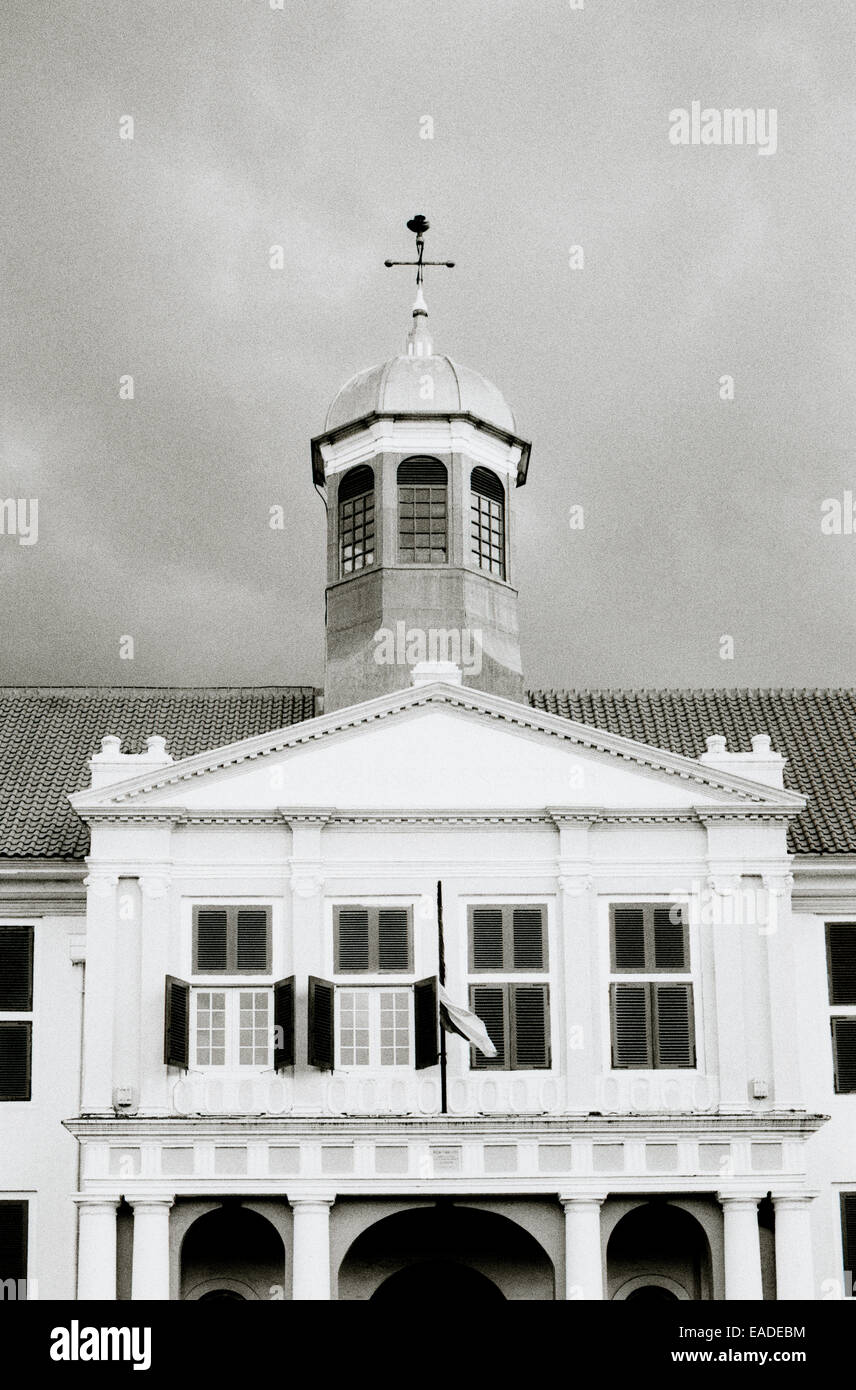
[(220, 1049)]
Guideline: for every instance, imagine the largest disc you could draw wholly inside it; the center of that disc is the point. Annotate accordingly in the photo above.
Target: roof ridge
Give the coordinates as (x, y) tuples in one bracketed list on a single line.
[(684, 691), (165, 690)]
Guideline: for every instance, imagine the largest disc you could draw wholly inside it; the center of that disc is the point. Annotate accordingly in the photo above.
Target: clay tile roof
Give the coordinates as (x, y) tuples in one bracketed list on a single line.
[(48, 734), (814, 729)]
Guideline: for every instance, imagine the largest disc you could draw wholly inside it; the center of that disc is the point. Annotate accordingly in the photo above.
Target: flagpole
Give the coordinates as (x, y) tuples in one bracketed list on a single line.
[(441, 949)]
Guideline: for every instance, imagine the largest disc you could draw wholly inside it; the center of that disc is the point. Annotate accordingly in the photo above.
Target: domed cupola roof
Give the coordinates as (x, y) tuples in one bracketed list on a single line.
[(399, 386)]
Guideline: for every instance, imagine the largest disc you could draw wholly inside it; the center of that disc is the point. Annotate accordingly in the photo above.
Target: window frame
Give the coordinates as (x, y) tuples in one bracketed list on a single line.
[(373, 909), (508, 978), (649, 976), (508, 909), (837, 1012), (231, 970), (402, 558), (23, 1018), (511, 1062), (482, 507), (374, 1065), (231, 1065), (368, 499), (26, 1201)]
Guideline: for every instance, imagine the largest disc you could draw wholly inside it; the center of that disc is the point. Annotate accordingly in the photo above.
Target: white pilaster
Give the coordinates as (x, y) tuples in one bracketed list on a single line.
[(794, 1262), (583, 1251), (154, 962), (96, 1247), (742, 1246), (310, 1261), (100, 993), (150, 1266), (781, 976), (728, 991)]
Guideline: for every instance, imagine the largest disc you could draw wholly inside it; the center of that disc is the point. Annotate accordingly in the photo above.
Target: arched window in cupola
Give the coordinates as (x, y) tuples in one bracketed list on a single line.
[(356, 520), (423, 529), (487, 513)]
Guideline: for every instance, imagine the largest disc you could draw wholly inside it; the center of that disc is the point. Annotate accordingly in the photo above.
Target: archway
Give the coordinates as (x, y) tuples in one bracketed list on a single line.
[(438, 1281), (446, 1252), (232, 1253), (657, 1253)]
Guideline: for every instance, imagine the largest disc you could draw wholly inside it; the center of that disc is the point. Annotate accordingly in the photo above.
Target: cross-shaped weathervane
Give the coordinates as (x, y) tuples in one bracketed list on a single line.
[(419, 226)]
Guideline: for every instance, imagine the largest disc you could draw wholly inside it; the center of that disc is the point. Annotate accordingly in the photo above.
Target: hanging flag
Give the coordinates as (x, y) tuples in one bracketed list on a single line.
[(456, 1019)]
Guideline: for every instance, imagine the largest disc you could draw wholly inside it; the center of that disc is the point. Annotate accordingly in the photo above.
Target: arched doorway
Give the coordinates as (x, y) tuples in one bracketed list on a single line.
[(444, 1252), (438, 1281), (232, 1254), (658, 1253)]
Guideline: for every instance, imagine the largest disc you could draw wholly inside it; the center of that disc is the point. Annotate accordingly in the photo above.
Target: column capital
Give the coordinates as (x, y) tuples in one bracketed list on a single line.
[(306, 1200), (156, 1201), (735, 1200), (154, 885), (96, 1199), (793, 1201), (580, 1199), (101, 883), (575, 884)]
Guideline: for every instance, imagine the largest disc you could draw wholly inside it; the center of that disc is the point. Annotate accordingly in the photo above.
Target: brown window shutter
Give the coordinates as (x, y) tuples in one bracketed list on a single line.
[(670, 939), (529, 1011), (844, 1053), (425, 1023), (487, 952), (848, 1231), (352, 940), (176, 1026), (13, 1240), (211, 941), (253, 938), (528, 929), (841, 953), (15, 1060), (321, 1048), (488, 1003), (283, 1022), (631, 1032), (628, 938), (673, 1025), (16, 969), (393, 935)]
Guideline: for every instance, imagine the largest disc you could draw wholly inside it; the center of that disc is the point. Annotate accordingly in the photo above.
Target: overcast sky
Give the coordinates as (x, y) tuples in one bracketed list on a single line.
[(300, 126)]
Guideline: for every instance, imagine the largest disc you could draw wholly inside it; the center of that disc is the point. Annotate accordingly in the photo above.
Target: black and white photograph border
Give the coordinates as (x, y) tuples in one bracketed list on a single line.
[(428, 686)]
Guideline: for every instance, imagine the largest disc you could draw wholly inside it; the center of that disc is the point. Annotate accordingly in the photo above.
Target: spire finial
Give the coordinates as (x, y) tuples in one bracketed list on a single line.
[(419, 342)]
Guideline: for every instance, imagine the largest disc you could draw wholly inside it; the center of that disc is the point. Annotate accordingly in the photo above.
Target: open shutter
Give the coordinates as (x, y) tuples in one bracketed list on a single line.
[(352, 940), (844, 1051), (16, 969), (628, 938), (321, 1051), (176, 1026), (848, 1231), (631, 1037), (488, 1003), (841, 945), (487, 939), (15, 1049), (425, 1023), (252, 944), (393, 936), (283, 1022), (528, 938), (674, 1031), (13, 1240), (531, 1042), (212, 934), (670, 939)]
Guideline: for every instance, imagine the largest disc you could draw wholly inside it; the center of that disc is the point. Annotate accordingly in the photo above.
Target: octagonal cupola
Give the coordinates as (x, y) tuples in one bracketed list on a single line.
[(418, 463)]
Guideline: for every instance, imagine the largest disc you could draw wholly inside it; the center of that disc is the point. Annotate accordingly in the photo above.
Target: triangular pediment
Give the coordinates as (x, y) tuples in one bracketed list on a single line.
[(437, 747)]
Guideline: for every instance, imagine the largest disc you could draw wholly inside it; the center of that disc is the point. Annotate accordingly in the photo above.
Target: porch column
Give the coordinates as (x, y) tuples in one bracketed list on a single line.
[(150, 1265), (794, 1263), (310, 1260), (583, 1254), (742, 1246), (96, 1247)]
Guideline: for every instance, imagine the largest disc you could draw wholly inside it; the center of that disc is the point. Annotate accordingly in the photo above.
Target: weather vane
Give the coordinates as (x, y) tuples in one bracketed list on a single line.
[(419, 226)]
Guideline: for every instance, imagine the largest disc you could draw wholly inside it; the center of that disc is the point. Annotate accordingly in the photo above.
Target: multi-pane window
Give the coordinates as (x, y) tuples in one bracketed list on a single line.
[(356, 520), (232, 1027), (16, 1012), (374, 940), (841, 962), (510, 939), (487, 521), (374, 1027), (652, 1016), (231, 940), (13, 1246), (422, 512)]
